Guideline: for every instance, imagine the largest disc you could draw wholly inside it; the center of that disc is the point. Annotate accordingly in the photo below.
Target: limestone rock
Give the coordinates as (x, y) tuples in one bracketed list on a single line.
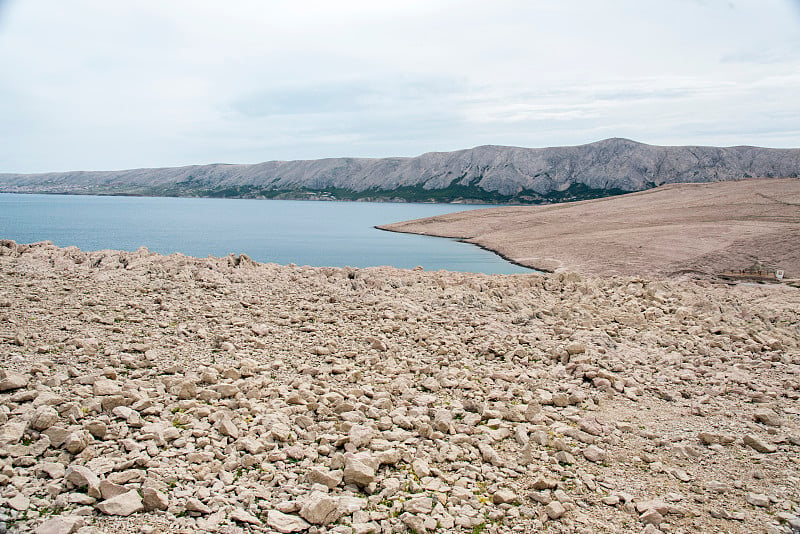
[(123, 505), (286, 523)]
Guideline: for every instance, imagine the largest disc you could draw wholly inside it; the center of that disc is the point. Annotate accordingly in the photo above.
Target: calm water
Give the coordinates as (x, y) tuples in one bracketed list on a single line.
[(279, 231)]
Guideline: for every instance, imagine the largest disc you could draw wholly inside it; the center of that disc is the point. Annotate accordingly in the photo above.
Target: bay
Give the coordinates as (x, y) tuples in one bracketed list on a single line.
[(279, 231)]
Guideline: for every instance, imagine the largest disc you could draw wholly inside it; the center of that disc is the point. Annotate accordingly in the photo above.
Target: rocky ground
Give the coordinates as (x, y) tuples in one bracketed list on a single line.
[(147, 393)]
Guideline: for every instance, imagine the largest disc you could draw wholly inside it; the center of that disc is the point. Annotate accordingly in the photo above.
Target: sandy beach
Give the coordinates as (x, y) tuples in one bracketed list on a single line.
[(148, 393)]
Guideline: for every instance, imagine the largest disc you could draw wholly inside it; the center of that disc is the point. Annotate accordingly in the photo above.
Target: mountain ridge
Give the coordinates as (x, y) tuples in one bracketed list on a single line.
[(486, 173)]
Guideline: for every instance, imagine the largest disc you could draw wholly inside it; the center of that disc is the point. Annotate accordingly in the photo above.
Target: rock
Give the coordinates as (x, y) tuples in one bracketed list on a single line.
[(194, 504), (19, 502), (83, 477), (651, 517), (555, 510), (768, 417), (418, 505), (358, 471), (504, 496), (152, 499), (123, 505), (63, 524), (12, 431), (44, 417), (320, 509), (104, 386), (593, 453), (327, 478), (286, 523), (758, 444), (243, 516), (758, 499), (76, 442), (11, 380)]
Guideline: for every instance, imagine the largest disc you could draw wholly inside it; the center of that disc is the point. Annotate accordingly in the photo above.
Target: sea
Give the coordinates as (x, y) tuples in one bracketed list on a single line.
[(315, 233)]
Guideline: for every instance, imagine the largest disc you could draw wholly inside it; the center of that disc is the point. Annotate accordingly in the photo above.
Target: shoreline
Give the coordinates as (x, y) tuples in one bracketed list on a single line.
[(510, 260), (673, 231)]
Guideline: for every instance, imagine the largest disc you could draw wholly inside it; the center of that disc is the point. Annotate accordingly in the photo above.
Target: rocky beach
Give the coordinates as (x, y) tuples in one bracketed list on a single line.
[(148, 393)]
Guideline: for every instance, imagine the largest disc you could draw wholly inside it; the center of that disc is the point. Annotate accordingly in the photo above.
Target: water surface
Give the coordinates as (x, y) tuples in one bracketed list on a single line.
[(280, 231)]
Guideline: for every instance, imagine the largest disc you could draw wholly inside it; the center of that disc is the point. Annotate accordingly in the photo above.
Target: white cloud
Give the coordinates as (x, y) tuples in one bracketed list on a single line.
[(93, 84)]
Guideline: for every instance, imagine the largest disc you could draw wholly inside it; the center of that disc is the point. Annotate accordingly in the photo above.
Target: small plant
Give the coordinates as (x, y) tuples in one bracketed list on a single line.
[(480, 527)]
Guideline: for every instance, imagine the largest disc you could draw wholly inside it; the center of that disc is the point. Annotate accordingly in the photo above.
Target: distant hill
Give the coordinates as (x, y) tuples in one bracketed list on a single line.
[(481, 174)]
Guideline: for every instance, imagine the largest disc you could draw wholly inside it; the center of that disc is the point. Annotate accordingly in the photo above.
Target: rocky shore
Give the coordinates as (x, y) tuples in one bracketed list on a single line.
[(148, 393)]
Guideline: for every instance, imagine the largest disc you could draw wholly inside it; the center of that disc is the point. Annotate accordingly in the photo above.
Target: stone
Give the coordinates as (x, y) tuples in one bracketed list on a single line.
[(504, 496), (555, 510), (19, 502), (651, 517), (43, 418), (286, 523), (83, 477), (123, 505), (758, 444), (418, 505), (593, 453), (768, 417), (356, 471), (76, 442), (758, 499), (331, 479), (152, 499), (243, 516), (11, 380), (63, 524), (320, 509)]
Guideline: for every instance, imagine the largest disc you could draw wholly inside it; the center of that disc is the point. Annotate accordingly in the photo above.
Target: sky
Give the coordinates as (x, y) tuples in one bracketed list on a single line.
[(99, 85)]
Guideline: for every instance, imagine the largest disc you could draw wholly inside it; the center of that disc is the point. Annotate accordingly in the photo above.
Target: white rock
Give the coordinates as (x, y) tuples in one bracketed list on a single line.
[(286, 523), (10, 380), (124, 505), (44, 417), (320, 509), (63, 524)]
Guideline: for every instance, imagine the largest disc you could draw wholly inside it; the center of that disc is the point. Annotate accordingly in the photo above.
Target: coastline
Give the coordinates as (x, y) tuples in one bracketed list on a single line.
[(673, 231)]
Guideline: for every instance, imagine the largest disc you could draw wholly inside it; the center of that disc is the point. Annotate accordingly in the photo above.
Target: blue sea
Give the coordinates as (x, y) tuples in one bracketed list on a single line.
[(279, 231)]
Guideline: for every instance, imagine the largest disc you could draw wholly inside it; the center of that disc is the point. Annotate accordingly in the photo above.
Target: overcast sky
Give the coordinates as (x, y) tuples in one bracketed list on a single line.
[(98, 84)]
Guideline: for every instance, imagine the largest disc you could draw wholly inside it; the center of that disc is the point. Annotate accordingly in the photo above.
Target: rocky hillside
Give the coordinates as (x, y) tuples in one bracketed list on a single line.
[(149, 394), (487, 173)]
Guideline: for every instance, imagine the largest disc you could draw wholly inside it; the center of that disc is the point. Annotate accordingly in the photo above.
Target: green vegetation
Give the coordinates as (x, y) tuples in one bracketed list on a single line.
[(452, 193)]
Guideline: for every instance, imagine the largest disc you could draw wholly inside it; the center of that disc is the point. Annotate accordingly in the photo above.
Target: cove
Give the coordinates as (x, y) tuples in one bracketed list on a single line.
[(311, 233)]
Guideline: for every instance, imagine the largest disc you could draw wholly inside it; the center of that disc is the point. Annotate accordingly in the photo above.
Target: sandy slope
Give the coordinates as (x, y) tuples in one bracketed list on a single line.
[(674, 229)]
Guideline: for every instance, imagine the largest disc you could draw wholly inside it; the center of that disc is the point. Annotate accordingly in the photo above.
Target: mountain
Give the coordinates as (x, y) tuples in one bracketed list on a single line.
[(481, 174)]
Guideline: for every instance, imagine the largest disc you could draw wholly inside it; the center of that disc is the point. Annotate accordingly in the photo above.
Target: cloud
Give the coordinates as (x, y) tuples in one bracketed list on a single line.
[(113, 85)]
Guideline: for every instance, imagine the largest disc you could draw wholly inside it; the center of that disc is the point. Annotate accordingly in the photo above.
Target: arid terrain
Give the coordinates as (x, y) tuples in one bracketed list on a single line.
[(148, 393), (695, 229)]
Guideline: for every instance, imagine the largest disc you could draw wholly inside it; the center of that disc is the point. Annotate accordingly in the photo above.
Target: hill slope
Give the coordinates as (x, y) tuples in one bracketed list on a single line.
[(487, 173), (696, 228)]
